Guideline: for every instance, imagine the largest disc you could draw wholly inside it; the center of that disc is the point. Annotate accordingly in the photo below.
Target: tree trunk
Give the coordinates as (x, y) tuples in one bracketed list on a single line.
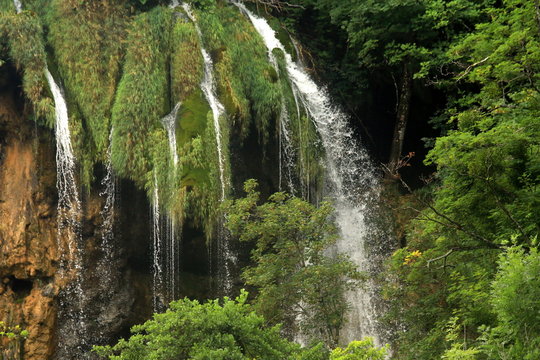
[(402, 116)]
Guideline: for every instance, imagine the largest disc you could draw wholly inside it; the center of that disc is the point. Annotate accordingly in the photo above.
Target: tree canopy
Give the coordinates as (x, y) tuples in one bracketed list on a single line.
[(297, 282)]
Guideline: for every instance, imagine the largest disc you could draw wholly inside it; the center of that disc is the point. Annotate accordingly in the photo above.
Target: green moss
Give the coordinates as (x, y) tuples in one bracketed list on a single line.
[(244, 77), (142, 97), (282, 35), (7, 6), (200, 179), (193, 117), (125, 72), (22, 35), (186, 60), (87, 39)]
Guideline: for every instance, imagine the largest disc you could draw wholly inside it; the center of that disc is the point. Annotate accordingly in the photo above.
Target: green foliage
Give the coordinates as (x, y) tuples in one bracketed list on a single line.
[(22, 36), (190, 330), (186, 61), (87, 39), (245, 78), (11, 340), (359, 350), (296, 281), (485, 194), (142, 97), (514, 297)]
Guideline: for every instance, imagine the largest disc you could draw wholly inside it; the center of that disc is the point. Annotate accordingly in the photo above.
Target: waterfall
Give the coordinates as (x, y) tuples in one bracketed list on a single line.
[(350, 180), (157, 269), (287, 157), (169, 236), (208, 87), (169, 122), (108, 184), (18, 5), (165, 255), (69, 206), (173, 254)]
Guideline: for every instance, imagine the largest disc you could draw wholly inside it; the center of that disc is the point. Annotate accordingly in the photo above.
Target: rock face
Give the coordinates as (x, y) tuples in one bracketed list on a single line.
[(28, 252), (33, 292)]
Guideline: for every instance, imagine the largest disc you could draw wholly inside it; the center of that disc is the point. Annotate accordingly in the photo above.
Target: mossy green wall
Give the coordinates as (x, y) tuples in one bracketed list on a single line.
[(124, 69)]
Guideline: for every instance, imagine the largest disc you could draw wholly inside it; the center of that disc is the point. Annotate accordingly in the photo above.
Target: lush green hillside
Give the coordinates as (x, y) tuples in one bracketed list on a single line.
[(444, 93)]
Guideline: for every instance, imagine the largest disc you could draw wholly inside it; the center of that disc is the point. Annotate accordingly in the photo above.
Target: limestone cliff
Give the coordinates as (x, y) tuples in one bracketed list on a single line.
[(28, 252), (33, 292)]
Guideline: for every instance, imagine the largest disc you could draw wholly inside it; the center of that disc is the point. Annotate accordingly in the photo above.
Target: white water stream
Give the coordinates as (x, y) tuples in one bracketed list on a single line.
[(208, 87), (72, 332), (169, 122), (157, 269), (350, 179), (18, 5), (108, 184)]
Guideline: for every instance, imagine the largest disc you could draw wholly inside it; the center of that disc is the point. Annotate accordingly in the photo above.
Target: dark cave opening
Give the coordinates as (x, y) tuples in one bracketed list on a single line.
[(20, 287)]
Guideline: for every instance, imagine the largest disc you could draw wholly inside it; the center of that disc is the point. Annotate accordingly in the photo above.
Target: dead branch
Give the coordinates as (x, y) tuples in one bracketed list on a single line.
[(470, 67), (278, 5)]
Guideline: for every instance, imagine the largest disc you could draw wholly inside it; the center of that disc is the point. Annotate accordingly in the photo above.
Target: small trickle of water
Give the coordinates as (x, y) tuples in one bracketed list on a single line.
[(69, 206), (350, 180), (225, 256), (158, 300), (173, 258), (169, 122), (74, 323), (18, 5), (108, 184), (287, 156), (208, 87)]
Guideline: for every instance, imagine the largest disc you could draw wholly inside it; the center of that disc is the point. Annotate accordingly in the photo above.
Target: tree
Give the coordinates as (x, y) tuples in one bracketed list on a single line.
[(359, 350), (297, 282), (11, 341), (226, 330), (514, 297), (191, 330), (485, 191), (392, 46)]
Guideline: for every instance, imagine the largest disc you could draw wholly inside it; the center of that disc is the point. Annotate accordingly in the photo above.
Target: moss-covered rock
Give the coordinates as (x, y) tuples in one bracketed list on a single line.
[(124, 67), (87, 39)]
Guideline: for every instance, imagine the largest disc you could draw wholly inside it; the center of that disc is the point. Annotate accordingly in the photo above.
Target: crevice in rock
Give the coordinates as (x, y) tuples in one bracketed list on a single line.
[(20, 287)]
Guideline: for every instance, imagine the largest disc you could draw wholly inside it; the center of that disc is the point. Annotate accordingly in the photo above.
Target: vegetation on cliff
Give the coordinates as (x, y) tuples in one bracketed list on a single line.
[(123, 66), (463, 75)]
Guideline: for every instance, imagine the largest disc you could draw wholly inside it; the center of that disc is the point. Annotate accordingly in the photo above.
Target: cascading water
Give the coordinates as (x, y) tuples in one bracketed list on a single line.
[(158, 300), (350, 179), (18, 5), (165, 258), (108, 184), (169, 233), (169, 122), (286, 152), (208, 88), (74, 325)]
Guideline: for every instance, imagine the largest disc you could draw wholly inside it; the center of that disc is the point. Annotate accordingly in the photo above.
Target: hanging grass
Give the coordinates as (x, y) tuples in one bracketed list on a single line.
[(246, 79), (21, 38), (124, 69), (142, 98), (88, 40)]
